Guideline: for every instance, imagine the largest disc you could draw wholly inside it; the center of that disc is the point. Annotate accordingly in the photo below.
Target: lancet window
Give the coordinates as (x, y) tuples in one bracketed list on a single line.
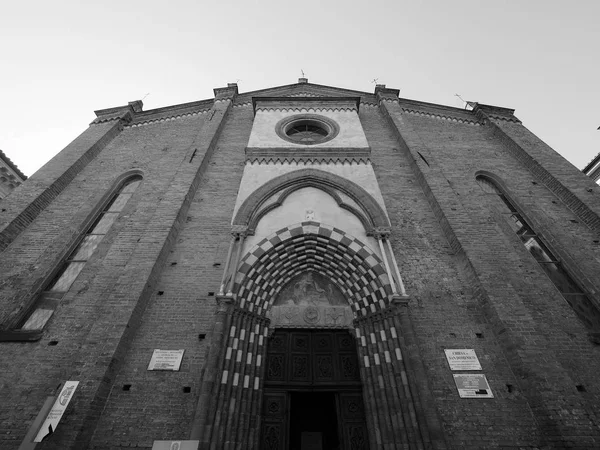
[(76, 261), (551, 265)]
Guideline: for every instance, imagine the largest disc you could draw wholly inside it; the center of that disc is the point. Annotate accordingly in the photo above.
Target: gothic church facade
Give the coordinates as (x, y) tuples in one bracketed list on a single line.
[(318, 268)]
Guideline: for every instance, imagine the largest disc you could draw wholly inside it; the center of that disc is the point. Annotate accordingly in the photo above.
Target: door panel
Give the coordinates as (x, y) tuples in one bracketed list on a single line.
[(312, 361), (275, 423)]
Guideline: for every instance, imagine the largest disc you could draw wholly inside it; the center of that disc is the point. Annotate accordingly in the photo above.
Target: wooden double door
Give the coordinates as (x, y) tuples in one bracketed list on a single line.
[(312, 392)]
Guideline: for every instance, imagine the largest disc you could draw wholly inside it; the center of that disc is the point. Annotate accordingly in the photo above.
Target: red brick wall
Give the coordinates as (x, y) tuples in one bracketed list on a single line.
[(472, 282)]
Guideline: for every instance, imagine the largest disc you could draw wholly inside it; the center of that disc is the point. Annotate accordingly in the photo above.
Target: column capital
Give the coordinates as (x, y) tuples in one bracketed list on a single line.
[(400, 300), (224, 303), (380, 232), (239, 231)]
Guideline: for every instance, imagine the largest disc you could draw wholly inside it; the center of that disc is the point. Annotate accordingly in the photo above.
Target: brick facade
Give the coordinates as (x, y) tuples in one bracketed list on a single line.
[(156, 280)]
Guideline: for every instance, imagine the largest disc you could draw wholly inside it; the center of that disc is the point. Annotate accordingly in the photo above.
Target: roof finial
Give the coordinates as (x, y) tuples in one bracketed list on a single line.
[(303, 79)]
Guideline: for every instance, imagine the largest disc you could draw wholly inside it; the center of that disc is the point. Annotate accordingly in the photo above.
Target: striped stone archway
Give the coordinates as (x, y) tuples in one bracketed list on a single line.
[(311, 246), (231, 413)]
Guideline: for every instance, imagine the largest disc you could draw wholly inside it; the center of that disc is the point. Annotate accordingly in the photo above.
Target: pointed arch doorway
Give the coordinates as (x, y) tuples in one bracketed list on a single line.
[(312, 397), (234, 413), (312, 393)]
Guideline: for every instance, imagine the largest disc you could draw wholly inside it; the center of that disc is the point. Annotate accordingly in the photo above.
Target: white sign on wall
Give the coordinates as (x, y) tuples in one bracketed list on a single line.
[(472, 385), (57, 410), (166, 360), (462, 359)]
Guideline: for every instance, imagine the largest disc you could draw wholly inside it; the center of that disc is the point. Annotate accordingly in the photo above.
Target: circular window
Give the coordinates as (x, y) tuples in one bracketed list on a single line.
[(307, 129)]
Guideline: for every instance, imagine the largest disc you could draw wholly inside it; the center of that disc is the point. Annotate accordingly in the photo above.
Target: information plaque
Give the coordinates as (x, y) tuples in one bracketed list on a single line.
[(472, 385), (462, 359), (166, 360), (57, 411)]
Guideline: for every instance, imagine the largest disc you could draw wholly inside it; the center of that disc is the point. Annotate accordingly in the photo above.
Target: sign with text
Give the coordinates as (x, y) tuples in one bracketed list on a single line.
[(166, 360), (472, 385), (462, 359), (175, 445), (57, 411)]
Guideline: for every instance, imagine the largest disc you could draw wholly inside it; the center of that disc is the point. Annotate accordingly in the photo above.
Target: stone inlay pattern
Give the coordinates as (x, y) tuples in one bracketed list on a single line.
[(311, 246)]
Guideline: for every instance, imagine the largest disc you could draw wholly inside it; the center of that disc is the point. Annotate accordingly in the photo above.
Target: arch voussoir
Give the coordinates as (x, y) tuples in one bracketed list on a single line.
[(311, 246)]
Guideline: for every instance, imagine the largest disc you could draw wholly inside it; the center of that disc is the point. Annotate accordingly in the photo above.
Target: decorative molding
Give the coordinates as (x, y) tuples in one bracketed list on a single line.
[(308, 159), (305, 104), (320, 179), (243, 104), (441, 116), (485, 113), (167, 119), (305, 94), (348, 263), (305, 110)]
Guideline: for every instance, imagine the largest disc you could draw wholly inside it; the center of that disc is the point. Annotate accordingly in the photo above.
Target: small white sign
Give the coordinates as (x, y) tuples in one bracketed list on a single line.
[(472, 385), (166, 360), (462, 359), (57, 410)]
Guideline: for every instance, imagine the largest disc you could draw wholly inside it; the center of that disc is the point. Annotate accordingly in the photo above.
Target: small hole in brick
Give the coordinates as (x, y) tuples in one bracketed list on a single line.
[(479, 335), (580, 388), (161, 292), (574, 221), (509, 388), (554, 201), (126, 387), (596, 241), (217, 265), (3, 209), (534, 182), (590, 190), (210, 294), (173, 263), (202, 336), (187, 389), (53, 343), (452, 334)]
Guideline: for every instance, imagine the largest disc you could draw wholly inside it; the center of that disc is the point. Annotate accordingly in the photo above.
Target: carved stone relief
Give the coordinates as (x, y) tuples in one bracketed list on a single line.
[(310, 300)]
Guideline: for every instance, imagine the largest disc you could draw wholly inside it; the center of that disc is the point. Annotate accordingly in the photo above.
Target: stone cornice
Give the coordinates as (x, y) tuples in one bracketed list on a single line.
[(121, 113), (434, 115), (489, 112), (308, 155), (431, 110), (305, 104), (138, 122)]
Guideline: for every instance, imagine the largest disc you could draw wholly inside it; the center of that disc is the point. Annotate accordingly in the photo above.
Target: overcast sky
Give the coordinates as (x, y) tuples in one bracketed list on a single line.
[(60, 60)]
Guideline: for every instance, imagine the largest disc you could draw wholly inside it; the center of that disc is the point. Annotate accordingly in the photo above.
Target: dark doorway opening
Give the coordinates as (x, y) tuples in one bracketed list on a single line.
[(313, 421)]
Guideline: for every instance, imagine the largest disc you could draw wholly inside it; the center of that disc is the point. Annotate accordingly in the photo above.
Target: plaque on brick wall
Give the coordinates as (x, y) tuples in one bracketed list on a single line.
[(175, 445), (166, 360), (57, 411), (462, 359), (472, 385)]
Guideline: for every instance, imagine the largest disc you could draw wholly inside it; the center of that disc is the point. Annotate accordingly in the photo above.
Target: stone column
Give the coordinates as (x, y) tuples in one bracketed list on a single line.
[(239, 393), (206, 402)]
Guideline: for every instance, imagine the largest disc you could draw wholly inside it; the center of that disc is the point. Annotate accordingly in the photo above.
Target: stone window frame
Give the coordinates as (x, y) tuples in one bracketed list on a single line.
[(514, 212), (285, 124), (48, 298)]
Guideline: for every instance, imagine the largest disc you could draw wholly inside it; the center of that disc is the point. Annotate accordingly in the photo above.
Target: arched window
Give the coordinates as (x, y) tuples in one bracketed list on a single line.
[(553, 267), (75, 262)]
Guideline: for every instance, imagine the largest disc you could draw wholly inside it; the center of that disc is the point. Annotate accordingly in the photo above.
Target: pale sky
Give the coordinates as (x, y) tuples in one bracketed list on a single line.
[(62, 59)]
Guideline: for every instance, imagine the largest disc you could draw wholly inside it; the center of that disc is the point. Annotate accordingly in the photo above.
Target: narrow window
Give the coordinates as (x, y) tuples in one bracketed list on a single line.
[(567, 286), (74, 264)]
